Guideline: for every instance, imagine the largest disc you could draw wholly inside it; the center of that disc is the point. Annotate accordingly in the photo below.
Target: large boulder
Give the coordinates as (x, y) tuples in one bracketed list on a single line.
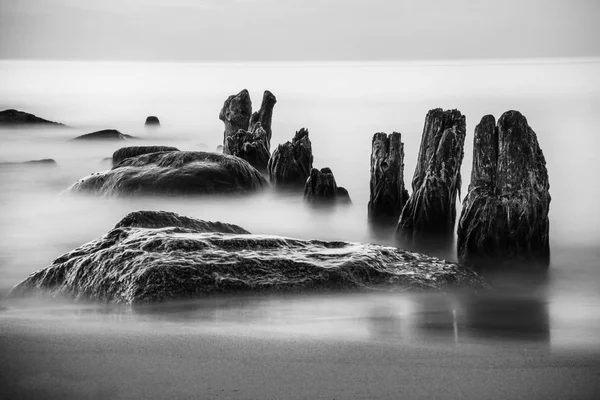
[(291, 162), (431, 209), (134, 151), (153, 256), (13, 117), (504, 221), (264, 117), (321, 187), (235, 114), (250, 146), (176, 172), (106, 134), (152, 121), (388, 192)]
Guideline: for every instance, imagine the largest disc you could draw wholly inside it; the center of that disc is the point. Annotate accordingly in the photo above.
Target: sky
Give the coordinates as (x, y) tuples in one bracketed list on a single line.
[(299, 30)]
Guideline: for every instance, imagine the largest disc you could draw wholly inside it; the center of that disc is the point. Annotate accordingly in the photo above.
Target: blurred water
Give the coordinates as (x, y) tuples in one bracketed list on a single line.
[(342, 105)]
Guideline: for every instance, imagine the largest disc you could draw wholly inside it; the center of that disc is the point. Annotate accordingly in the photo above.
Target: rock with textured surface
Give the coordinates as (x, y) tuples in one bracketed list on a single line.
[(388, 192), (431, 209), (264, 117), (152, 121), (174, 173), (291, 162), (153, 256), (250, 146), (13, 117), (235, 114), (134, 151), (106, 134), (504, 221), (321, 187)]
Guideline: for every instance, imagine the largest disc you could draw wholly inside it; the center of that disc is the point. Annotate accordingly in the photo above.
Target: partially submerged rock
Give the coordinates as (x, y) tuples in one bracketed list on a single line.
[(504, 221), (152, 121), (48, 162), (106, 134), (291, 162), (13, 117), (321, 187), (250, 146), (176, 172), (134, 151), (235, 114), (388, 192), (431, 209), (264, 117), (153, 256)]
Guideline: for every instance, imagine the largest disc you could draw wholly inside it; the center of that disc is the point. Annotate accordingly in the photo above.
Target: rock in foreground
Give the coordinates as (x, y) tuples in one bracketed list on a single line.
[(504, 221), (16, 118), (171, 173), (106, 134), (153, 256), (134, 151)]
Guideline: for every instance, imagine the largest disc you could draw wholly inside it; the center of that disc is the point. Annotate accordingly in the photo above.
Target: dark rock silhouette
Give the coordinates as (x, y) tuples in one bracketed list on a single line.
[(235, 114), (250, 146), (388, 192), (321, 187), (13, 117), (43, 162), (504, 220), (153, 256), (174, 173), (106, 134), (152, 121), (430, 212), (291, 162), (134, 151), (264, 116)]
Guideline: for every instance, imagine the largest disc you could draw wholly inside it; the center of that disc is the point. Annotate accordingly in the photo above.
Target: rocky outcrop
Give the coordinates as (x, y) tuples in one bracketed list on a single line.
[(291, 162), (264, 117), (152, 121), (48, 162), (106, 134), (134, 151), (13, 117), (153, 256), (431, 209), (504, 221), (171, 173), (388, 192), (235, 114), (321, 187), (250, 146)]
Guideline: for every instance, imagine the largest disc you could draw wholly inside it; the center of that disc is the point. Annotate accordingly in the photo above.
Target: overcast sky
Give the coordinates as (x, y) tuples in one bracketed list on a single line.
[(244, 30)]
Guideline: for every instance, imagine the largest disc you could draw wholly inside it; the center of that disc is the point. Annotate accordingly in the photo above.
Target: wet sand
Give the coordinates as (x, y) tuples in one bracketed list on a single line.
[(51, 359)]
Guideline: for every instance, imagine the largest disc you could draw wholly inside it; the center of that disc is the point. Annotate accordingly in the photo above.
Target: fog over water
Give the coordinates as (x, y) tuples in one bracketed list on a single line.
[(342, 105)]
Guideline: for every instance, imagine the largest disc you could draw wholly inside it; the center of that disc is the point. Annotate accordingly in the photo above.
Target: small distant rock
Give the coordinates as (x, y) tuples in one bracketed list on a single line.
[(106, 134), (44, 162), (14, 117), (321, 187), (152, 121)]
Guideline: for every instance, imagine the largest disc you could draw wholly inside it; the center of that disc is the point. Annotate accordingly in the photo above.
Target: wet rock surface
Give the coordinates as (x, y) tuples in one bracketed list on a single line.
[(388, 191), (431, 209), (250, 146), (235, 114), (14, 117), (106, 134), (291, 162), (504, 221), (134, 151), (321, 187), (153, 256), (174, 173)]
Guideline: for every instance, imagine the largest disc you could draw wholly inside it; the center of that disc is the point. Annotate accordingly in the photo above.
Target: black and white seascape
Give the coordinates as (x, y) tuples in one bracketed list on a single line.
[(331, 200)]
